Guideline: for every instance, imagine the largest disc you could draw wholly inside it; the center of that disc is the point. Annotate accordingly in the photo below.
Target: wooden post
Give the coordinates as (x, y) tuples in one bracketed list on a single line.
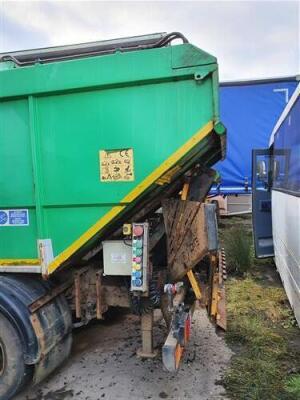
[(147, 350)]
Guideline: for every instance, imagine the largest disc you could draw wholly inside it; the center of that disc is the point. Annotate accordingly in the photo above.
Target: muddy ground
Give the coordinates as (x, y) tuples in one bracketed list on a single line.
[(103, 365)]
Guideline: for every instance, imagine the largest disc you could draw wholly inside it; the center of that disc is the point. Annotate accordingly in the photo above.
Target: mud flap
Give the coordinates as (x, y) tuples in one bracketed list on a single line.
[(52, 325)]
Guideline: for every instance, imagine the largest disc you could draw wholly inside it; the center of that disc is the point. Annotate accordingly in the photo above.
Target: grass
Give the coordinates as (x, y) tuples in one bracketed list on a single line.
[(293, 385), (261, 329), (239, 251)]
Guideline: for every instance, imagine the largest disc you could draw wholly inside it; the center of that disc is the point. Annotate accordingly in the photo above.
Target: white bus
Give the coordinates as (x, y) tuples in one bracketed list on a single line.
[(276, 200)]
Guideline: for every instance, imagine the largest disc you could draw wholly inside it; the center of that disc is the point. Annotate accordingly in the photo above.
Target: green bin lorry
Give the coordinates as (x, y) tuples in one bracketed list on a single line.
[(106, 151)]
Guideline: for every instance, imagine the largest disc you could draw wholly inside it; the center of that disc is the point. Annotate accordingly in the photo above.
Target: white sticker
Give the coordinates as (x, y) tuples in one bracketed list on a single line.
[(118, 258), (14, 217)]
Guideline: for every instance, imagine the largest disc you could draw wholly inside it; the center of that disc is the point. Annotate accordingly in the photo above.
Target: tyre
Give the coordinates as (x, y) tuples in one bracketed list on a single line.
[(14, 373)]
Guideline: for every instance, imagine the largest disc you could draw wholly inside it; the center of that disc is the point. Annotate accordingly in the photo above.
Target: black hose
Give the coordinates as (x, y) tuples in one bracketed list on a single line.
[(168, 39), (144, 305)]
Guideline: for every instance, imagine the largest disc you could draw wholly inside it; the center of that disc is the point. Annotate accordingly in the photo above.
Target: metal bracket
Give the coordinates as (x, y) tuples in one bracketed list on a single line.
[(177, 339), (45, 251), (37, 304), (217, 305), (147, 350)]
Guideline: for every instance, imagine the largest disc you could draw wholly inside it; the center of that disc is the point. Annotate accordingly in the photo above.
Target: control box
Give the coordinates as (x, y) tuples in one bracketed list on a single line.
[(116, 257), (140, 257)]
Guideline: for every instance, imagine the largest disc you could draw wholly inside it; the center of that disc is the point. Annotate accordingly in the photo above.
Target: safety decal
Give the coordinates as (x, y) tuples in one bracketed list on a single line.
[(116, 165), (14, 218)]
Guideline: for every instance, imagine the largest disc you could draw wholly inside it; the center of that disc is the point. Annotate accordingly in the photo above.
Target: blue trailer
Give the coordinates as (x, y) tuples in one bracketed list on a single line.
[(249, 110)]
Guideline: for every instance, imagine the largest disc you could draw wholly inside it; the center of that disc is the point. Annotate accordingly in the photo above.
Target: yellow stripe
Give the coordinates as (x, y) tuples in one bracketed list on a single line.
[(157, 173), (19, 261), (167, 177), (194, 283)]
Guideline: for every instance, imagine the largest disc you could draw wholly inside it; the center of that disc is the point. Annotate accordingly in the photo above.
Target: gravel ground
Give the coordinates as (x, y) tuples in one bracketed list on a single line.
[(103, 365)]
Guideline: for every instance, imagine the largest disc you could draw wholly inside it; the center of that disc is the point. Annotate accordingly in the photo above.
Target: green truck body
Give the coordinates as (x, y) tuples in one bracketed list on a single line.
[(158, 108), (104, 146)]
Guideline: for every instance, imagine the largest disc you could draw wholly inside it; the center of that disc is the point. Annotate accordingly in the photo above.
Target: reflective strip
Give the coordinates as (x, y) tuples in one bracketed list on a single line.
[(19, 261)]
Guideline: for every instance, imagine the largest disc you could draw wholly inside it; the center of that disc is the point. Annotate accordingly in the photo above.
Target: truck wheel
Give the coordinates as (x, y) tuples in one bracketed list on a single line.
[(14, 373)]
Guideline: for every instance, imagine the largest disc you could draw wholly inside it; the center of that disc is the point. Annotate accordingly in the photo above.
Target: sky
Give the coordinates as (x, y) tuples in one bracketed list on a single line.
[(251, 39)]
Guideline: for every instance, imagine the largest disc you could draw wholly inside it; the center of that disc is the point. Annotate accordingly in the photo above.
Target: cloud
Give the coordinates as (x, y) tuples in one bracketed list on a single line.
[(251, 39)]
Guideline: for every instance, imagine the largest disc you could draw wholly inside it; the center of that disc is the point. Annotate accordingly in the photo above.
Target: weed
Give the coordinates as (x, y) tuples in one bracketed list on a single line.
[(238, 250)]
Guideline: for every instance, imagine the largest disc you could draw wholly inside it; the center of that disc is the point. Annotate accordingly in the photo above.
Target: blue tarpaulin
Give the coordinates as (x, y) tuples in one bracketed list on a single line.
[(249, 110)]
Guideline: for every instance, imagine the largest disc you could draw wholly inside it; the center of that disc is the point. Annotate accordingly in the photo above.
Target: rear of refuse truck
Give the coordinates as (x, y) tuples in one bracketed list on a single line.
[(106, 154)]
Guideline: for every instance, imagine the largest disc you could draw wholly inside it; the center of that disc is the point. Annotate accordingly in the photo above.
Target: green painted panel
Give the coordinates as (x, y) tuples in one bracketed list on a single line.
[(20, 241), (16, 179), (154, 120), (104, 71), (148, 101), (66, 224)]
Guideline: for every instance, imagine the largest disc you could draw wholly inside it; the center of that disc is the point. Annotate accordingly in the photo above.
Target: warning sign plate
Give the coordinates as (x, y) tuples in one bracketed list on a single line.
[(116, 165)]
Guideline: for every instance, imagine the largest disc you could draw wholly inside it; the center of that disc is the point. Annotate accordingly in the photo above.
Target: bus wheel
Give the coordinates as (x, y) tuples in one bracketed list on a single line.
[(14, 373)]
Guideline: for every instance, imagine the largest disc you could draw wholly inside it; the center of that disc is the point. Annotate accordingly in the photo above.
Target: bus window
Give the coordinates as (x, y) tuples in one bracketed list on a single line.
[(287, 155)]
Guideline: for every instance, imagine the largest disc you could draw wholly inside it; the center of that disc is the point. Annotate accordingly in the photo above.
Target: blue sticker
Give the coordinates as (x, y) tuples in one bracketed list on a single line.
[(14, 218), (3, 217)]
